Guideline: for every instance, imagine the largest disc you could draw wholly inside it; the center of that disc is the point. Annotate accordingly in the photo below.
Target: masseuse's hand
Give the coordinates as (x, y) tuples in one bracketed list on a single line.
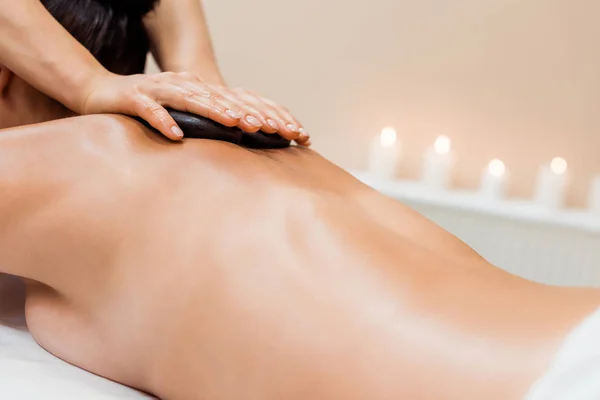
[(147, 96), (273, 118)]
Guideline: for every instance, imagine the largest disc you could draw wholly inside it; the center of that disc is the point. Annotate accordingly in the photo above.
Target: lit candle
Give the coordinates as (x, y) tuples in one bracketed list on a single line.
[(438, 164), (594, 201), (385, 153), (552, 183), (492, 180)]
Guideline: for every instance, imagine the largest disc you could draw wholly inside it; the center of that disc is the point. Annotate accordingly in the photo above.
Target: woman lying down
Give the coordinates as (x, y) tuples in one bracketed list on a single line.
[(203, 270), (207, 271)]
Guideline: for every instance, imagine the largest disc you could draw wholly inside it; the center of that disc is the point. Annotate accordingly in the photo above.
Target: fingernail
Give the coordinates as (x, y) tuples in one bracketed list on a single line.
[(232, 114), (177, 132), (303, 133), (293, 128), (272, 123), (252, 120)]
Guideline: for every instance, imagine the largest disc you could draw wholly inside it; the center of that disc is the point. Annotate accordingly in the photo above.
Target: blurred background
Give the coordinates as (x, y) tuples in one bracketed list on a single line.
[(512, 79), (509, 79)]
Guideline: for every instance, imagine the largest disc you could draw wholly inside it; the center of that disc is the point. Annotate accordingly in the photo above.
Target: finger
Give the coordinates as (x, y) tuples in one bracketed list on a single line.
[(272, 122), (211, 95), (266, 118), (302, 139), (289, 127), (253, 119), (196, 102), (269, 115), (265, 113), (291, 122), (286, 129), (212, 111), (157, 117)]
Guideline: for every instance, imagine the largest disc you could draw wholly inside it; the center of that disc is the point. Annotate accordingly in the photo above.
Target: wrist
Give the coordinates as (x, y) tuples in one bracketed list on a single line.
[(87, 89), (208, 73), (83, 85), (205, 74), (214, 78)]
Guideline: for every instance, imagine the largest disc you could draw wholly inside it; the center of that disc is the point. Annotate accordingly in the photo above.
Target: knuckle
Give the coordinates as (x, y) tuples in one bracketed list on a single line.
[(153, 108), (134, 92), (188, 94), (205, 94), (216, 106), (215, 97), (271, 115), (253, 110), (238, 92), (272, 112), (160, 78)]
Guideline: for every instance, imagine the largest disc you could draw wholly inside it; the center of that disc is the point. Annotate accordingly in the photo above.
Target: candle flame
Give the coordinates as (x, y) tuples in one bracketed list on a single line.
[(442, 144), (496, 167), (388, 137), (558, 165)]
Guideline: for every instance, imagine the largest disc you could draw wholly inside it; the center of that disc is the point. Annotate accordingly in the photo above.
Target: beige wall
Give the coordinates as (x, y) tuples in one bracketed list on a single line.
[(514, 79)]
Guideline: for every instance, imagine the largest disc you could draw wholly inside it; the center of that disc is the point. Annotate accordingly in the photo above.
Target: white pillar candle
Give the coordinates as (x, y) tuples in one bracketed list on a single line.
[(552, 183), (438, 163), (594, 200), (384, 154), (492, 180)]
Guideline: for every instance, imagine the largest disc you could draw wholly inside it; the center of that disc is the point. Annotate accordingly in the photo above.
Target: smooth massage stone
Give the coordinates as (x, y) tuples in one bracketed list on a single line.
[(261, 140), (197, 127)]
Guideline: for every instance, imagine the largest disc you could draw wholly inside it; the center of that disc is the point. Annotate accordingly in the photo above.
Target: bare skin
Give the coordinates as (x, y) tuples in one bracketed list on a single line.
[(202, 270)]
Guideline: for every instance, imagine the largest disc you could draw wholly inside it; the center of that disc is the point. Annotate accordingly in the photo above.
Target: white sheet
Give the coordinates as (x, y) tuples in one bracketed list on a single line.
[(575, 372)]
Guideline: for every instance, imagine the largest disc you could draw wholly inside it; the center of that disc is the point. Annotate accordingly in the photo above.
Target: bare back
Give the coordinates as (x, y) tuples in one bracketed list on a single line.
[(205, 270)]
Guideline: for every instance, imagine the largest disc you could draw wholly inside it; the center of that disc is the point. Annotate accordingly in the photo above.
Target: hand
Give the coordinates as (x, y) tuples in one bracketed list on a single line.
[(147, 96), (273, 118)]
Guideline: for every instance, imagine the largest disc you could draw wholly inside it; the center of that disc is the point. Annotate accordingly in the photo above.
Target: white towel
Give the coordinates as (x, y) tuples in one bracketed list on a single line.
[(575, 371)]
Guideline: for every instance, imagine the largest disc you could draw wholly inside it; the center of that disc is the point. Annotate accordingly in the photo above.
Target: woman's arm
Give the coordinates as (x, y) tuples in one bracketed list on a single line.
[(181, 43), (35, 47), (39, 50)]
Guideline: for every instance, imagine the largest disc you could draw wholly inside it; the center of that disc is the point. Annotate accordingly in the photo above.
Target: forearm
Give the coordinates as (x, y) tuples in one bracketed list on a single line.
[(181, 41), (38, 49)]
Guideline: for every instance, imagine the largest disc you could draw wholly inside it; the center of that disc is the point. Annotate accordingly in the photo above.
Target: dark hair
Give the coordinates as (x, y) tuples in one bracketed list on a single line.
[(112, 30)]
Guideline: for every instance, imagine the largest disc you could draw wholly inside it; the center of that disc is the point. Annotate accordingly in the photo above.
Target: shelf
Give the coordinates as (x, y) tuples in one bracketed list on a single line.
[(515, 209)]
